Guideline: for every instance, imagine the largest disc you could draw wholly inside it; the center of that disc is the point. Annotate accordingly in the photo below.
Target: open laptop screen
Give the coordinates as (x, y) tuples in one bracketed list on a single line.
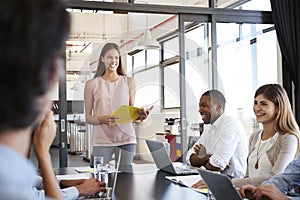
[(220, 185)]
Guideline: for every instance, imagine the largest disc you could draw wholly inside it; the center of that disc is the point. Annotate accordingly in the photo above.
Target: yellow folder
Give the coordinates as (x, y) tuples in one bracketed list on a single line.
[(126, 114)]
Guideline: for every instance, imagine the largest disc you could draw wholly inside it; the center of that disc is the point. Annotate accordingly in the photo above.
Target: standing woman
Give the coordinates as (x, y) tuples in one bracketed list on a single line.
[(273, 147), (106, 92)]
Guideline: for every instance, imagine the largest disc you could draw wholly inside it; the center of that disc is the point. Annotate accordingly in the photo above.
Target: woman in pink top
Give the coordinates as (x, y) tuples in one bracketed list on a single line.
[(106, 92)]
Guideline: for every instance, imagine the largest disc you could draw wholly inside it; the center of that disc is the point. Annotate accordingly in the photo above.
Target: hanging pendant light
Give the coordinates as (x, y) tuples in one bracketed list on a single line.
[(147, 42)]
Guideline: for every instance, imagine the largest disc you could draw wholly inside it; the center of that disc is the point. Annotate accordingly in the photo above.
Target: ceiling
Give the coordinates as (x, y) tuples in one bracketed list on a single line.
[(90, 28)]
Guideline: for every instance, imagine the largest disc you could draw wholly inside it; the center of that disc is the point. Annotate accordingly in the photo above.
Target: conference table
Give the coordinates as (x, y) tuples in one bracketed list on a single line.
[(145, 182)]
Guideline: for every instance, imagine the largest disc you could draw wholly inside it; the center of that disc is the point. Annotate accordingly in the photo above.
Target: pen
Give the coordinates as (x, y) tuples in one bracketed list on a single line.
[(150, 106)]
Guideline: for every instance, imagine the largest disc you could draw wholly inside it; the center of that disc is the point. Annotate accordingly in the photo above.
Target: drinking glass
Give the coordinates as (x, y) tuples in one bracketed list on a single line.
[(103, 176), (98, 162)]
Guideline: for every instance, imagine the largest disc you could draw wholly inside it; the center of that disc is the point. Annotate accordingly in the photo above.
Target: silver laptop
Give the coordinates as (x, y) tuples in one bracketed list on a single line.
[(220, 185), (163, 161)]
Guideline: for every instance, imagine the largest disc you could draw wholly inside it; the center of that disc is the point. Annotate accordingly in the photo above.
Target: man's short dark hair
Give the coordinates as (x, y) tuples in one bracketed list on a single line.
[(31, 32), (216, 96)]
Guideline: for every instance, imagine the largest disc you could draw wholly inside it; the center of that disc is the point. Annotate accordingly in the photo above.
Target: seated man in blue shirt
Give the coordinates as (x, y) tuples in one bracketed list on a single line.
[(32, 37), (278, 187), (71, 189)]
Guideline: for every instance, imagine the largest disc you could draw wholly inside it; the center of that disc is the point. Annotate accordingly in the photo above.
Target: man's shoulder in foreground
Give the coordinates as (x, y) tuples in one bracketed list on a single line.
[(16, 175)]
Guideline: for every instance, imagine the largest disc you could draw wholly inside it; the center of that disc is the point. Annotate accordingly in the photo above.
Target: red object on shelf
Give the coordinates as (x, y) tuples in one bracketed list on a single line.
[(172, 141)]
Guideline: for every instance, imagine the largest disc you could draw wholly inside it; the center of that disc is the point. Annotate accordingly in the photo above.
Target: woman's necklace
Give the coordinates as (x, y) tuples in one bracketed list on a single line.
[(257, 158)]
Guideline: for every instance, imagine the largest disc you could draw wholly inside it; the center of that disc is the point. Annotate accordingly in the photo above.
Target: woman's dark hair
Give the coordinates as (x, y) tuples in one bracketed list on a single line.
[(101, 67), (32, 32)]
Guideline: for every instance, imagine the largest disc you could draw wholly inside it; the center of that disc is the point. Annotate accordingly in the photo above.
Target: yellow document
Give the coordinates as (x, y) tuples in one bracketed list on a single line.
[(126, 114)]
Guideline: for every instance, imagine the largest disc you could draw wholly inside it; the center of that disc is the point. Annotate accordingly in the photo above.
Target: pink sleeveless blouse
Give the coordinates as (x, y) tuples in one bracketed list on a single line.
[(108, 97)]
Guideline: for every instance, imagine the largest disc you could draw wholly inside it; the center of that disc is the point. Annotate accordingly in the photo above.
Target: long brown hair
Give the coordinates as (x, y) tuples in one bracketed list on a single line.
[(101, 67), (285, 122)]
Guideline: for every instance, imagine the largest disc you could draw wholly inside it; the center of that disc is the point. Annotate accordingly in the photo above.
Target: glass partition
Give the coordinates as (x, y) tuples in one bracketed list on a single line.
[(197, 70), (171, 86), (246, 59)]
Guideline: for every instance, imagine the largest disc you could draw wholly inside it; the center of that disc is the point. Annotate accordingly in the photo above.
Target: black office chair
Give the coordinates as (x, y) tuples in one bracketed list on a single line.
[(192, 140)]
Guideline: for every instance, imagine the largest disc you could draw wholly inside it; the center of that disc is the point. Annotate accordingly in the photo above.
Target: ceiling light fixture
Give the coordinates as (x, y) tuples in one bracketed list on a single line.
[(147, 42)]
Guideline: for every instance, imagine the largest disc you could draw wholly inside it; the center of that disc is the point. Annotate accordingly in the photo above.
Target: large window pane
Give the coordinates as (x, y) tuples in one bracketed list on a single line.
[(257, 5), (171, 86), (171, 48), (247, 59), (152, 57), (139, 60), (147, 88), (197, 71)]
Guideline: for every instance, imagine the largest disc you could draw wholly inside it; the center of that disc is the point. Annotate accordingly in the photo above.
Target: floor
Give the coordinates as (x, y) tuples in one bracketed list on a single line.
[(74, 160)]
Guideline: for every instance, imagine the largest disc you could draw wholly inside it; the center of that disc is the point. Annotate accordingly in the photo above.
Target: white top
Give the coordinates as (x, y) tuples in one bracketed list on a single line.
[(260, 154), (70, 193), (225, 139)]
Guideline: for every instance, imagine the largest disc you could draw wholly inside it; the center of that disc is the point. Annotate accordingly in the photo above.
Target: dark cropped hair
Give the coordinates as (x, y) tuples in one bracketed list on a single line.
[(101, 67), (216, 96), (31, 32)]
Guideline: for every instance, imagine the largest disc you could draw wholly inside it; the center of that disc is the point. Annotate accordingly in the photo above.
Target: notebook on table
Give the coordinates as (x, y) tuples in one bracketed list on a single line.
[(163, 161), (220, 185)]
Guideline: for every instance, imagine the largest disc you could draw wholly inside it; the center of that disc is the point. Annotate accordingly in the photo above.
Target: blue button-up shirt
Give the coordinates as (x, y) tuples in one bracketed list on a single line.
[(289, 179), (17, 176)]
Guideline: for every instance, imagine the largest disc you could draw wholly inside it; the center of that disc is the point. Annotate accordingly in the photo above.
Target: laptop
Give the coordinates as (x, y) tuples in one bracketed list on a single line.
[(220, 185), (163, 161)]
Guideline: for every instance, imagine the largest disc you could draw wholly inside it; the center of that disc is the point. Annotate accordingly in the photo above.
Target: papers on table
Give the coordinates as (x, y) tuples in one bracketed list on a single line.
[(126, 114), (74, 176), (87, 169), (187, 181), (84, 169)]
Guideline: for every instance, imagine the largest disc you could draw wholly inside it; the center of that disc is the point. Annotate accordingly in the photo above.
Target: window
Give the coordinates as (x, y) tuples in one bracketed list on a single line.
[(247, 59), (147, 88), (171, 86)]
